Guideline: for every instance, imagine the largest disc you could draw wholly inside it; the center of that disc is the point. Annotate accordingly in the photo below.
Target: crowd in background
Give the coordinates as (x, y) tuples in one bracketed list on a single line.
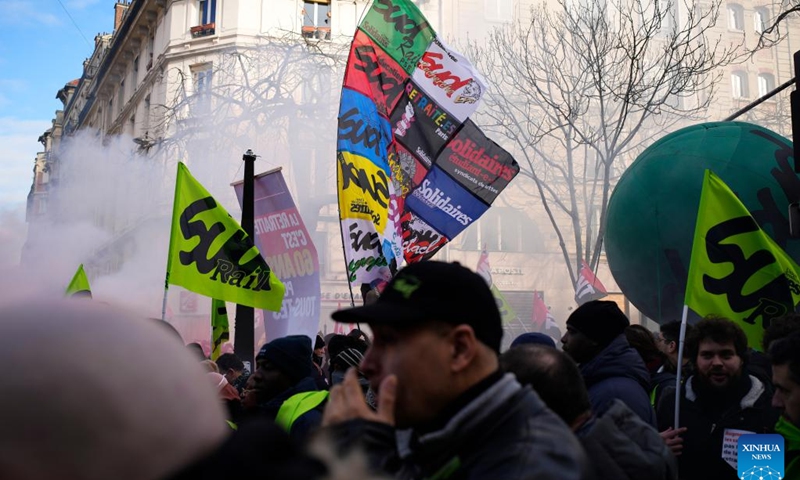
[(95, 393)]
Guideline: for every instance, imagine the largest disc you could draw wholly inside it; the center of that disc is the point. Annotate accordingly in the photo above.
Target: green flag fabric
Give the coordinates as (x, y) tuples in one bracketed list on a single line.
[(736, 270), (79, 286), (210, 254), (507, 312), (219, 327), (400, 29)]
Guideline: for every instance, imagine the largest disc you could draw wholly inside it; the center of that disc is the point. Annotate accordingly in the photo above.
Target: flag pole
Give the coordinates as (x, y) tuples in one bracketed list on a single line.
[(244, 326), (164, 302), (171, 235), (681, 341)]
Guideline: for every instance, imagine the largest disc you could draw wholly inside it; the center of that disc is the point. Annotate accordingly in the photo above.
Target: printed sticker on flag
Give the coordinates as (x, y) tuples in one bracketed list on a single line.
[(450, 79)]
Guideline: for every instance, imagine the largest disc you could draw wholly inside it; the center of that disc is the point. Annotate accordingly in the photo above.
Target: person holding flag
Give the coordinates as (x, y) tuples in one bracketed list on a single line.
[(721, 400)]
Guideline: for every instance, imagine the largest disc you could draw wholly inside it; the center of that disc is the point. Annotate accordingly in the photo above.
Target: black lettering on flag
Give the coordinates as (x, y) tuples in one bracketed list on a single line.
[(403, 24), (766, 299), (352, 127), (226, 261), (375, 187), (363, 241)]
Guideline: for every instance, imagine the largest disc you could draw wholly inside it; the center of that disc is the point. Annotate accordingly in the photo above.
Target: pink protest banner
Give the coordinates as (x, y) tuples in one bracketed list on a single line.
[(286, 245)]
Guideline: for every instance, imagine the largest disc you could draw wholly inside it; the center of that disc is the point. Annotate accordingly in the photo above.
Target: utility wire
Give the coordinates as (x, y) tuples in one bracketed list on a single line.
[(76, 25)]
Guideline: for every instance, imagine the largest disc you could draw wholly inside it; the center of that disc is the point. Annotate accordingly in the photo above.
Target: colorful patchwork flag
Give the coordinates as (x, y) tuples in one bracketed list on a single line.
[(413, 170)]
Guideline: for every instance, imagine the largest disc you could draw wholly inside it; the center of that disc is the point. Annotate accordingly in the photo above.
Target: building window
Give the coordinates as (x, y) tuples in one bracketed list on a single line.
[(766, 83), (739, 87), (503, 230), (150, 49), (146, 112), (121, 95), (317, 19), (316, 88), (499, 10), (669, 16), (207, 11), (202, 76), (207, 14), (109, 113), (760, 16), (735, 17)]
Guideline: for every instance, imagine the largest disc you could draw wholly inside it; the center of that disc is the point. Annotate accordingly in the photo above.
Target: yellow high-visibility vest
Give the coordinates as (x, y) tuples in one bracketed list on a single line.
[(295, 406)]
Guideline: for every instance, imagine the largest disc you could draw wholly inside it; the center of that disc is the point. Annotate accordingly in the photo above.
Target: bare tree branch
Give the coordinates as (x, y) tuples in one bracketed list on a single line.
[(579, 89)]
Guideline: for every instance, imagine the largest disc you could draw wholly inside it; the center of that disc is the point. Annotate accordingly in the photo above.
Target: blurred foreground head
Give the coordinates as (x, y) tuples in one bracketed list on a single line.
[(97, 393)]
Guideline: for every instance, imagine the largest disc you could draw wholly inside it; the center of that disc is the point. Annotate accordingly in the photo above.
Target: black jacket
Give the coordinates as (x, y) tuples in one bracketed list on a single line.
[(701, 458), (506, 433), (621, 446), (618, 372), (304, 426)]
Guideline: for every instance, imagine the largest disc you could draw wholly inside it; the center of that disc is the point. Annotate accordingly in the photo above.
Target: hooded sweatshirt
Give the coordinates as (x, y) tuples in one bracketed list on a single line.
[(791, 435), (618, 372)]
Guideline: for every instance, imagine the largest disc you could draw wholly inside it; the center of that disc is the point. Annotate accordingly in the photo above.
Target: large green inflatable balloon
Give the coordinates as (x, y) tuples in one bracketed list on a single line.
[(653, 209)]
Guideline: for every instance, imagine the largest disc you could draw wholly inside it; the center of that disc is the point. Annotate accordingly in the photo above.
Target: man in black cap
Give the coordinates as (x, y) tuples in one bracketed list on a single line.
[(285, 387), (433, 362), (611, 368)]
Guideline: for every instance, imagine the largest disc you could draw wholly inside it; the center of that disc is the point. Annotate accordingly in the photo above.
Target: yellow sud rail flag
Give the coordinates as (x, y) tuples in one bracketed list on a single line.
[(737, 271), (210, 254), (220, 332), (79, 285)]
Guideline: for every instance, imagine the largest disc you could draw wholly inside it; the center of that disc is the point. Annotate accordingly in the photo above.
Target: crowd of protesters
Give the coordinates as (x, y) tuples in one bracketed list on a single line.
[(94, 393)]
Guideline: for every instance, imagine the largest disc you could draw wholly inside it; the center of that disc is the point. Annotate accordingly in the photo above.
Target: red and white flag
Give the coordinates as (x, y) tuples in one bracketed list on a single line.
[(543, 321), (588, 287), (483, 268)]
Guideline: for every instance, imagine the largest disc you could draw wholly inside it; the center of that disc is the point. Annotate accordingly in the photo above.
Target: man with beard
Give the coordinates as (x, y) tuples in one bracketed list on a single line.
[(720, 398)]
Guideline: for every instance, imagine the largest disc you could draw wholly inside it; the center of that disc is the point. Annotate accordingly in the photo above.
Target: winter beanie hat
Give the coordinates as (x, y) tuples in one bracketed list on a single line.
[(350, 357), (291, 355), (600, 320), (534, 338)]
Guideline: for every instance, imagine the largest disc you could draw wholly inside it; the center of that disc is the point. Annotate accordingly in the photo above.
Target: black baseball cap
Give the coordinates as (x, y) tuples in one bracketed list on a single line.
[(431, 290)]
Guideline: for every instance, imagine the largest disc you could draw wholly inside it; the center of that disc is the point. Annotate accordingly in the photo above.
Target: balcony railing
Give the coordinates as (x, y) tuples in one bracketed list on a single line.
[(202, 30), (317, 33)]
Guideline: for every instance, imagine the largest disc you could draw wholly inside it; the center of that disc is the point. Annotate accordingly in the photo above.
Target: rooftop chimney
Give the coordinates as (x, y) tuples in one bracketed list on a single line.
[(119, 13)]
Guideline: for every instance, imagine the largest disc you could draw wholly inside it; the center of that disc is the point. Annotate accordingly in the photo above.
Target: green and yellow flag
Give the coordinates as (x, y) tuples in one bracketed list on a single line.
[(210, 254), (79, 286), (507, 312), (737, 271), (219, 327)]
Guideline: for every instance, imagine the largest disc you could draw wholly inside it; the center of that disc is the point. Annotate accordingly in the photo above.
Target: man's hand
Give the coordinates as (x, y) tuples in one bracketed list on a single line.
[(347, 402), (673, 439)]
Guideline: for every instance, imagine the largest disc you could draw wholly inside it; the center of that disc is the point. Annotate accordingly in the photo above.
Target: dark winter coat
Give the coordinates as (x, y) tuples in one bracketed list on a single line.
[(618, 372), (621, 446), (701, 458), (659, 382), (506, 432), (308, 422)]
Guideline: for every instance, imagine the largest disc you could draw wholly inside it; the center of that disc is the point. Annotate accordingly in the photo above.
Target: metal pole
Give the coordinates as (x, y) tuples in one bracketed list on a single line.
[(759, 101), (244, 336)]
